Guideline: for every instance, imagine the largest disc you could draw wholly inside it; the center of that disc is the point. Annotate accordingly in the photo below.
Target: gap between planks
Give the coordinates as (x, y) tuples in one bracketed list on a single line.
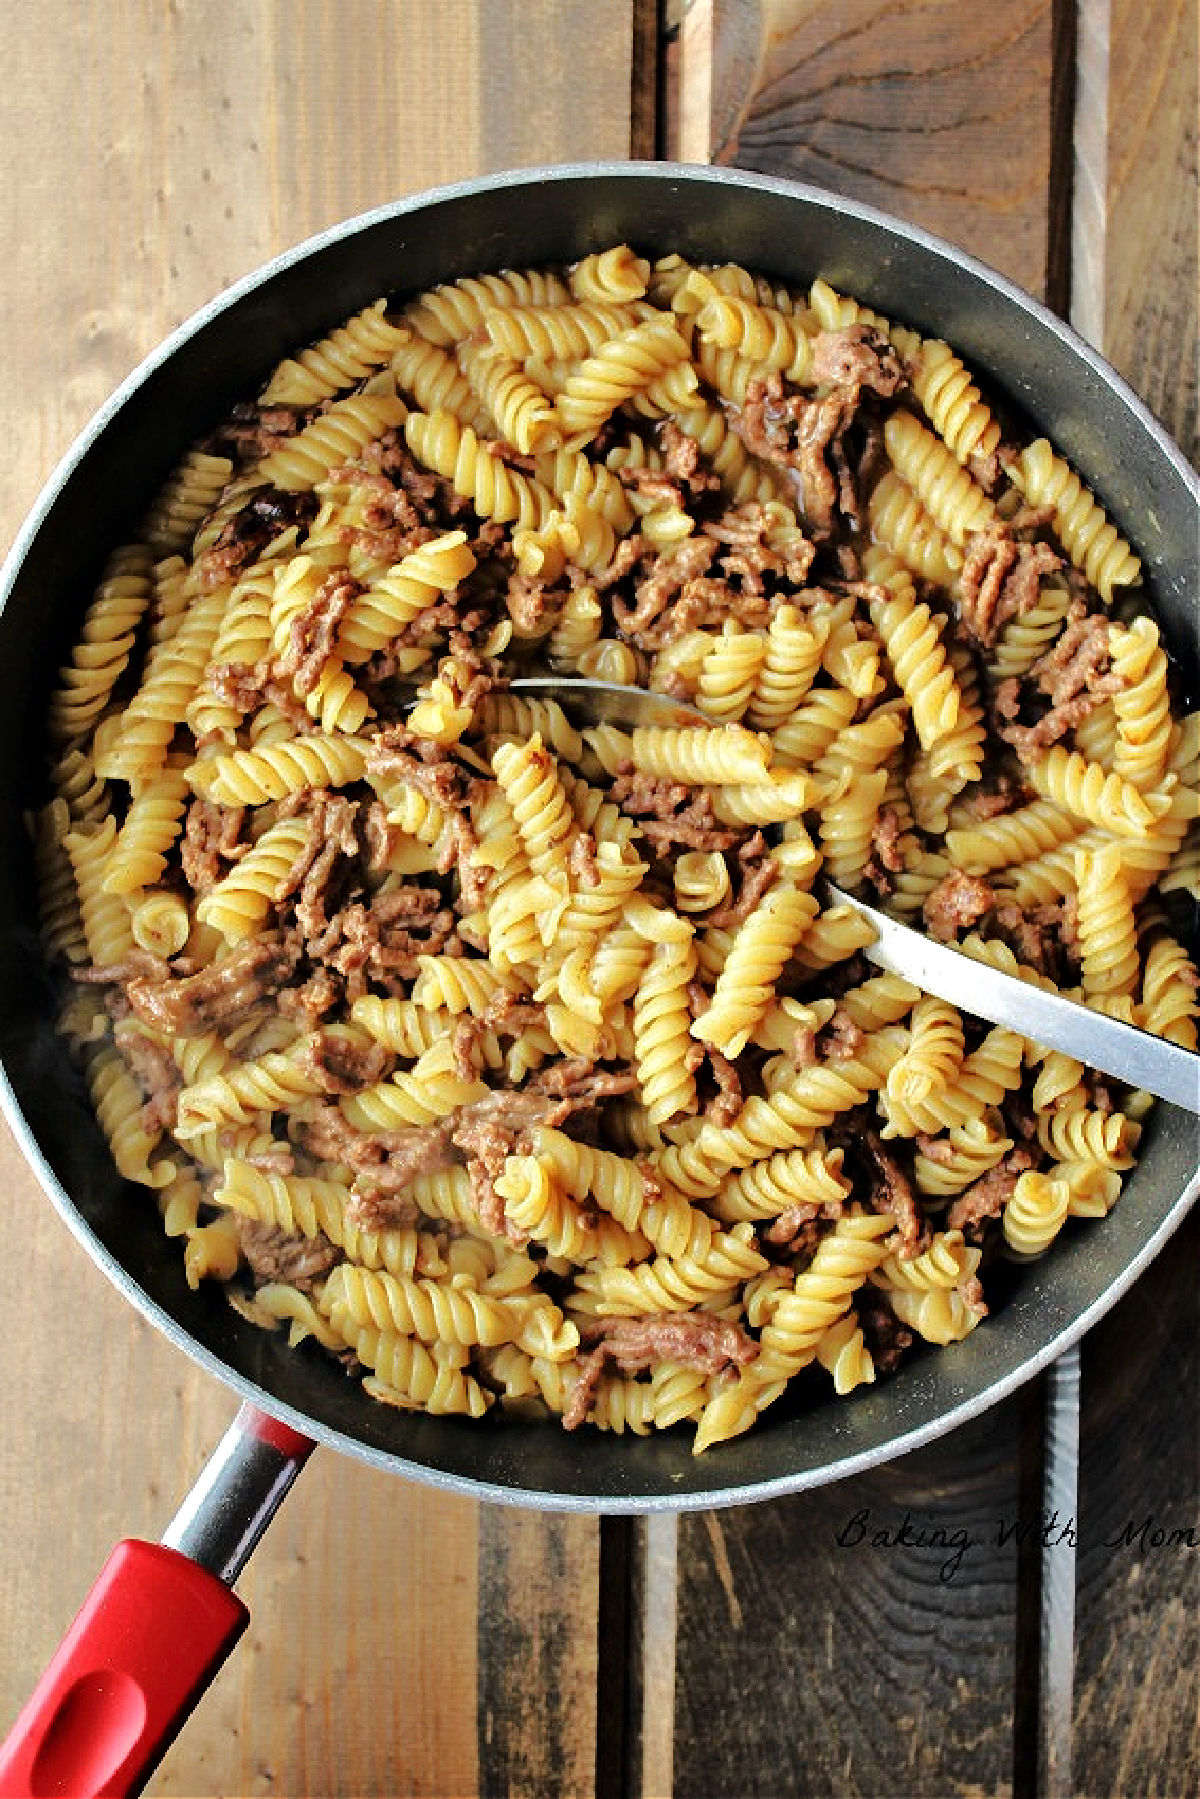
[(636, 1640)]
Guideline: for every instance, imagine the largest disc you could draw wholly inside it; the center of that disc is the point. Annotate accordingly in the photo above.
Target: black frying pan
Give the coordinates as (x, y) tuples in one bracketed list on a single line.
[(224, 353)]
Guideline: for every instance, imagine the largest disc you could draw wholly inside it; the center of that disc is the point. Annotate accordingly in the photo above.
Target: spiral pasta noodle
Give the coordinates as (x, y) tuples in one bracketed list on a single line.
[(1141, 706), (626, 365), (756, 959), (952, 402), (1093, 544), (453, 450), (617, 274), (913, 643), (350, 353), (453, 310), (1036, 1213), (334, 437), (107, 638)]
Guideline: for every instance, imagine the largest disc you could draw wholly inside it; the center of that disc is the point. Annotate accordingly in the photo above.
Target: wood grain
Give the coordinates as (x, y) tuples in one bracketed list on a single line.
[(927, 108), (1146, 288), (538, 1654), (1137, 1713), (154, 153), (816, 1658)]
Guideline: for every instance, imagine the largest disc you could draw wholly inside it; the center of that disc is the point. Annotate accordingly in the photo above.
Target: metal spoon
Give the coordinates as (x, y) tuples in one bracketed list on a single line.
[(1129, 1054)]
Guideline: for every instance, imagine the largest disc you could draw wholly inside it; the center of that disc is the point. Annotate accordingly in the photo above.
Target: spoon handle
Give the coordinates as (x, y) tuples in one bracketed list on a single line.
[(1093, 1038)]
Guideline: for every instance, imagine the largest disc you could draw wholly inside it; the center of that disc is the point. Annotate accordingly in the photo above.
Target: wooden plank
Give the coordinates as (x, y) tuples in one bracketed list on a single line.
[(647, 138), (927, 108), (1135, 291), (1137, 1687), (859, 1639), (154, 154), (538, 1655)]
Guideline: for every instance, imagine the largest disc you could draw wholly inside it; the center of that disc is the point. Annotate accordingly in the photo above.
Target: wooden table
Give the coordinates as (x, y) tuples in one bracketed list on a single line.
[(407, 1642)]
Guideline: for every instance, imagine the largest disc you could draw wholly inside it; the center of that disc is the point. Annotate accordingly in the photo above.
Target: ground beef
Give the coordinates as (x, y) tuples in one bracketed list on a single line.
[(887, 856), (841, 1039), (238, 684), (252, 430), (987, 1197), (1079, 660), (436, 770), (1001, 579), (377, 1200), (312, 634), (505, 1015), (796, 1232), (795, 432), (275, 1255), (319, 872), (957, 902), (381, 940), (433, 499), (211, 839), (657, 591), (696, 1339), (884, 1335), (311, 1000), (657, 485), (531, 603), (630, 551), (672, 814), (726, 1103), (341, 1064), (188, 1006), (264, 516), (681, 461), (759, 872), (857, 357), (1005, 796), (384, 1163), (1042, 937), (581, 863), (578, 1085), (806, 434), (488, 1132), (154, 1068), (380, 839), (985, 469), (1076, 675), (746, 529), (391, 525), (893, 1192)]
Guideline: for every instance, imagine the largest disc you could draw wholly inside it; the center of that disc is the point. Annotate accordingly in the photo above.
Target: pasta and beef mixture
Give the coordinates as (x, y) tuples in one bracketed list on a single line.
[(517, 1064)]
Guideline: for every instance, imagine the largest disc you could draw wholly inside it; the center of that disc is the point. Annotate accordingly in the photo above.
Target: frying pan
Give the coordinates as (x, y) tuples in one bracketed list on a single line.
[(1061, 387)]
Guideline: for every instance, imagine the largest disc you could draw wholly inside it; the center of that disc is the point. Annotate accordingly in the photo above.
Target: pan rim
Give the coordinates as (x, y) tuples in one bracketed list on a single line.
[(230, 297)]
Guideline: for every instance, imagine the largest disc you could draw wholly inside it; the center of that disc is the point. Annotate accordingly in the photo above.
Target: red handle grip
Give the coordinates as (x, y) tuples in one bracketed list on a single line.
[(152, 1633)]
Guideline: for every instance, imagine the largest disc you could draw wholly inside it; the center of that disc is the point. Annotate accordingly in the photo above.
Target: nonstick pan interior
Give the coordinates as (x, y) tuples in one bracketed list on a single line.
[(101, 490)]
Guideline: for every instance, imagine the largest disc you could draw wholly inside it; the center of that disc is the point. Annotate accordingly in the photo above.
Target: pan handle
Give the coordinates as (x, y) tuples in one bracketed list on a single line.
[(154, 1630)]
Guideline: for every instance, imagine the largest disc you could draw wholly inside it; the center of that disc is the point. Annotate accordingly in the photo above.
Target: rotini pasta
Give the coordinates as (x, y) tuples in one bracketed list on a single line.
[(519, 1065)]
